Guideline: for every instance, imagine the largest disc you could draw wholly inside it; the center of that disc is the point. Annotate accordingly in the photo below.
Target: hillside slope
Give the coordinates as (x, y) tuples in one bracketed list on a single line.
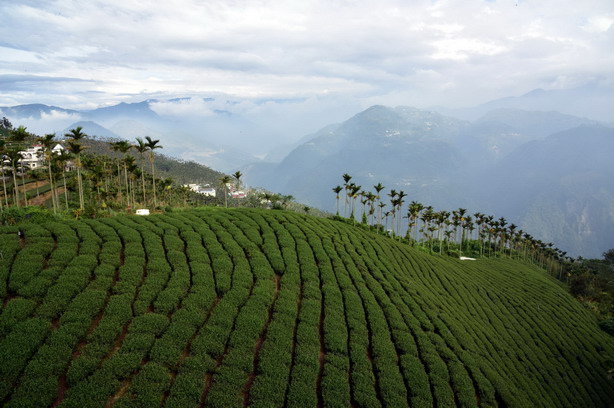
[(449, 164), (181, 171), (227, 308)]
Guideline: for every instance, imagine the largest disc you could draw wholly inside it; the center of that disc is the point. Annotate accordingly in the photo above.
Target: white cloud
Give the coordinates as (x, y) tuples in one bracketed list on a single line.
[(57, 115), (182, 108), (463, 48), (53, 122), (357, 50), (599, 24)]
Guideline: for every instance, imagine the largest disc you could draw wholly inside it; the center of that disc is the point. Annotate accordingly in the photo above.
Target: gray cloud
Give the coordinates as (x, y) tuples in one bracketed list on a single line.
[(428, 52)]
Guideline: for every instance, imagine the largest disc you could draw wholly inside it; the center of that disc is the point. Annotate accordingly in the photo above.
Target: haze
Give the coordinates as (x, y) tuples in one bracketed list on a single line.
[(293, 67)]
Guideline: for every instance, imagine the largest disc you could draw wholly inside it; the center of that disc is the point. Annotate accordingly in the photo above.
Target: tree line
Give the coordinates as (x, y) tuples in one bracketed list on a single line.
[(454, 232), (75, 180)]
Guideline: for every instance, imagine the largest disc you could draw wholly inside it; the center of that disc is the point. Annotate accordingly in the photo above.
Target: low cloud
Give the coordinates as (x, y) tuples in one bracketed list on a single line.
[(457, 52), (56, 115), (53, 121), (186, 107)]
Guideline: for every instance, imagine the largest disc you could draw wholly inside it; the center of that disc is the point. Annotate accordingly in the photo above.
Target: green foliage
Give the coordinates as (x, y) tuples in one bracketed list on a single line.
[(36, 215), (274, 308)]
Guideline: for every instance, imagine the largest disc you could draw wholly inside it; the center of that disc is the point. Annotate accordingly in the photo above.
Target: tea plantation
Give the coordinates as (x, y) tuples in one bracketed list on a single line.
[(230, 308)]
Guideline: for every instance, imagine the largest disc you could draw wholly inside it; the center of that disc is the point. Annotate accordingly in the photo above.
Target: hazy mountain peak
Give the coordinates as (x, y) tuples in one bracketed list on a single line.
[(92, 129), (534, 123)]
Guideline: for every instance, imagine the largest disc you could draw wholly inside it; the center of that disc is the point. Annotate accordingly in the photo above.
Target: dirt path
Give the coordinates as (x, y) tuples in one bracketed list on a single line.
[(27, 187), (32, 186), (41, 199)]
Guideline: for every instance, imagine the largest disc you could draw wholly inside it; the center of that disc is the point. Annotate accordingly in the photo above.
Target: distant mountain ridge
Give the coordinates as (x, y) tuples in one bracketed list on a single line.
[(443, 157), (505, 163), (592, 101), (192, 141)]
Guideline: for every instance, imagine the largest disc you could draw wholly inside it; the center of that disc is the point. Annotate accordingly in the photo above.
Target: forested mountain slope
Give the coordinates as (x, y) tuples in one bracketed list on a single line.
[(487, 166), (239, 307)]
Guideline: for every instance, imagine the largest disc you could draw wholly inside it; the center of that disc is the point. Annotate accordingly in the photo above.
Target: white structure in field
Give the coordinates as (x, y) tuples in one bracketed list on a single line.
[(32, 157), (142, 211), (205, 190)]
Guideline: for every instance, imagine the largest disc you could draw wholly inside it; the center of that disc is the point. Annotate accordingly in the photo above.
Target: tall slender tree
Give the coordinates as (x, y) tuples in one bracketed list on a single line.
[(353, 195), (77, 135), (76, 149), (47, 142), (14, 157), (2, 152), (237, 176), (337, 190), (378, 189), (63, 159), (224, 181), (347, 188), (123, 146), (142, 147), (153, 145), (18, 138)]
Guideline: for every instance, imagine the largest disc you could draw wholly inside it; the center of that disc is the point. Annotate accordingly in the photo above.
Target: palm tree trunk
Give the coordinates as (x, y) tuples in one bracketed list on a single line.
[(133, 192), (53, 203), (80, 184), (15, 187), (65, 189), (23, 186), (143, 184), (127, 185), (153, 180), (6, 197)]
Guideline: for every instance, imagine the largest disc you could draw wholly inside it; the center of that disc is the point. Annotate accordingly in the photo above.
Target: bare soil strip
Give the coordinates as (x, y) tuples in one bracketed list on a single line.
[(259, 342)]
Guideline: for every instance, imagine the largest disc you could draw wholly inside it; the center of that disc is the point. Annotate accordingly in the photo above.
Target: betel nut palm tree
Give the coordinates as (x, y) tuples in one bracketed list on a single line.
[(76, 148), (141, 147), (47, 142), (14, 157), (18, 137), (225, 180), (2, 152), (337, 190), (123, 146), (152, 145)]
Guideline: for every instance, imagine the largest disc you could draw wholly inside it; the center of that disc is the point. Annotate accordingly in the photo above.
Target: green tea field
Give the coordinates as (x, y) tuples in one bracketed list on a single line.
[(267, 308)]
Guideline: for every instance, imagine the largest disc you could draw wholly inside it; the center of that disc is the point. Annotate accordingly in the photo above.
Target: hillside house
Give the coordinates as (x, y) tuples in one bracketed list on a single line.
[(32, 157), (205, 190)]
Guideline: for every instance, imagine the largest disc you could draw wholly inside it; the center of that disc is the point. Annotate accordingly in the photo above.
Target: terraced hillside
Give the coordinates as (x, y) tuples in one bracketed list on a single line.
[(228, 308)]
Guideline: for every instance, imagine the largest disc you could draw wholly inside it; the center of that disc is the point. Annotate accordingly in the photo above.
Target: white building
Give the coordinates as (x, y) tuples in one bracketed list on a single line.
[(205, 190), (32, 157)]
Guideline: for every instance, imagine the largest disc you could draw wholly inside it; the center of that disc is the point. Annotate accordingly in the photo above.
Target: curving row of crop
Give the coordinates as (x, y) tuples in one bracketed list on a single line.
[(68, 307), (268, 308), (9, 247)]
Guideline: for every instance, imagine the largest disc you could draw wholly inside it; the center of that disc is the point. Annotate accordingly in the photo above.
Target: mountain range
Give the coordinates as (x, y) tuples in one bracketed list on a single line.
[(543, 160), (182, 137), (547, 172)]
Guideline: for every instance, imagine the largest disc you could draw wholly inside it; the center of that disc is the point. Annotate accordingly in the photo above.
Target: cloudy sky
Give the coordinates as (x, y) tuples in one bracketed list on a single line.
[(85, 54)]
